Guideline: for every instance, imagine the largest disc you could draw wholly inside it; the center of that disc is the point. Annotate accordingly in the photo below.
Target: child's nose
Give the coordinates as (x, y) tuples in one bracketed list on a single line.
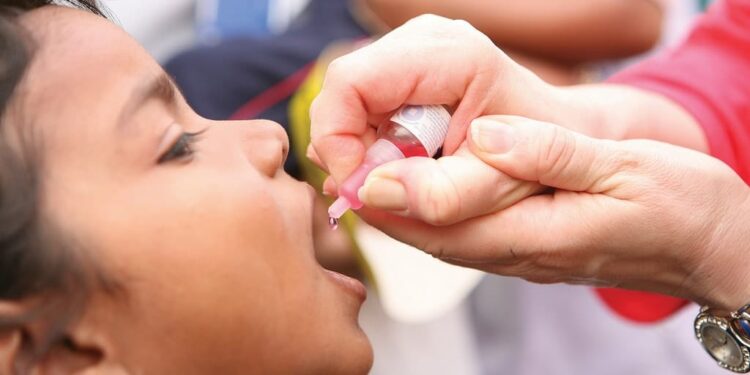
[(264, 143)]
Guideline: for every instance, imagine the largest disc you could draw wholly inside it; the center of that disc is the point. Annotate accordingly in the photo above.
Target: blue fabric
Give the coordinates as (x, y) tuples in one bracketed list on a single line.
[(235, 18), (217, 80)]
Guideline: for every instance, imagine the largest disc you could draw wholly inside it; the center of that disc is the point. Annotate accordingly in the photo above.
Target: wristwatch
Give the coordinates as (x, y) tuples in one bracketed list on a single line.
[(726, 337)]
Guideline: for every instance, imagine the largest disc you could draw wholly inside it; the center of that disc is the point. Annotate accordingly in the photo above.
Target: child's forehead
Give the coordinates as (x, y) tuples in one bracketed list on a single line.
[(74, 50), (55, 20), (61, 30), (82, 68)]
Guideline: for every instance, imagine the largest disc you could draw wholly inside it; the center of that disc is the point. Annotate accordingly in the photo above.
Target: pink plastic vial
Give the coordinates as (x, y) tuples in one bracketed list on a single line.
[(414, 130)]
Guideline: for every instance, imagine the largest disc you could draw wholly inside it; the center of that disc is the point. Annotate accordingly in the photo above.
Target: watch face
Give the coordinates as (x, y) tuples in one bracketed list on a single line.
[(721, 345), (719, 341)]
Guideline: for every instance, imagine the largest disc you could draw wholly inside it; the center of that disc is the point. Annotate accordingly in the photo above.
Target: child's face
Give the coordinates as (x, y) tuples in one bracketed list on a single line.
[(214, 249)]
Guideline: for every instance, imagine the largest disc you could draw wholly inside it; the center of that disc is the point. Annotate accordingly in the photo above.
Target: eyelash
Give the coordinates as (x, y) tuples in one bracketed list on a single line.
[(182, 148)]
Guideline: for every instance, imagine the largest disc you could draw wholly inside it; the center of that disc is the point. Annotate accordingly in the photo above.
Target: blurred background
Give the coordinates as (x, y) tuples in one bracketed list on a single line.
[(266, 58), (167, 27)]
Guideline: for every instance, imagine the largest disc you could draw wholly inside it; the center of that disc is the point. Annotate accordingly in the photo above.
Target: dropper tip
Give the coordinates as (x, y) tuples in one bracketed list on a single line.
[(339, 207)]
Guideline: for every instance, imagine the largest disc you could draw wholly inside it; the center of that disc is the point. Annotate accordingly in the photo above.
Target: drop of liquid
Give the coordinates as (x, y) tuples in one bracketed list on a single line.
[(333, 223)]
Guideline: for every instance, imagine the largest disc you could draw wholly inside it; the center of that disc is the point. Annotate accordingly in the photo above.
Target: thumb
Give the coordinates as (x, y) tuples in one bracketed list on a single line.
[(541, 152)]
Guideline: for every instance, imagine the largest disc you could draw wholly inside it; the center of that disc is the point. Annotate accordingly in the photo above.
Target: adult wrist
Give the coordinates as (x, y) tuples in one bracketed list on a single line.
[(723, 324), (726, 278)]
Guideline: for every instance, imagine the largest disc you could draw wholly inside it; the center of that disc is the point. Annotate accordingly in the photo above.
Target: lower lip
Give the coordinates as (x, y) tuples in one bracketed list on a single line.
[(351, 285)]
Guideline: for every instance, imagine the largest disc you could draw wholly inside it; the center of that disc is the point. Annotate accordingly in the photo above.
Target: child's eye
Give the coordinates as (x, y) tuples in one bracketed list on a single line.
[(182, 148)]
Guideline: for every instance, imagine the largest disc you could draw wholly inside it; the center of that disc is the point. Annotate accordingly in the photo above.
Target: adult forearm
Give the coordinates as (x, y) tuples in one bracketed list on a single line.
[(622, 112), (608, 111)]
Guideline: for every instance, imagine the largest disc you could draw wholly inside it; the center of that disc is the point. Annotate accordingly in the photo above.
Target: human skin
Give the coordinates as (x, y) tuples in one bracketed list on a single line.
[(210, 242), (570, 32), (444, 206), (410, 66), (634, 214), (363, 88), (554, 40)]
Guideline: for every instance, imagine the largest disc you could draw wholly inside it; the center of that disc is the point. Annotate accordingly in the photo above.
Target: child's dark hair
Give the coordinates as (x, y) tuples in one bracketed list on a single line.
[(36, 262)]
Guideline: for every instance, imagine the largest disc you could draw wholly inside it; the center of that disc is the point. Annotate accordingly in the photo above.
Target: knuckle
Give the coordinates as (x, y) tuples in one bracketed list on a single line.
[(314, 110), (434, 248), (438, 204), (624, 159), (619, 167), (437, 245), (471, 34), (316, 113), (522, 269), (557, 153), (337, 68), (463, 26), (427, 19)]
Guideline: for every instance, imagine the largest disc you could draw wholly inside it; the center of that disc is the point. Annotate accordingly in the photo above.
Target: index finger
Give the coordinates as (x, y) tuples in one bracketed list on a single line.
[(355, 94), (407, 66)]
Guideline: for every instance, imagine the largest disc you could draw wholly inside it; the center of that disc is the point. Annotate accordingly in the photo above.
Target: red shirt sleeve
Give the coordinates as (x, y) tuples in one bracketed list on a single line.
[(709, 76)]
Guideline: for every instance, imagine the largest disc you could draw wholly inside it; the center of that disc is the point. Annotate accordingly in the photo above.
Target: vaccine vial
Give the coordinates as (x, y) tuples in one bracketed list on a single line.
[(414, 130)]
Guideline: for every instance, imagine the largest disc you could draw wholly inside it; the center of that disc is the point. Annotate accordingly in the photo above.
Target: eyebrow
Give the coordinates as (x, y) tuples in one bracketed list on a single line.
[(158, 87)]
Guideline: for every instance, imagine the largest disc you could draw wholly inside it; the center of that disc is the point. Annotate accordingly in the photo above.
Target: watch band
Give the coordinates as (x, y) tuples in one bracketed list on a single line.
[(726, 338)]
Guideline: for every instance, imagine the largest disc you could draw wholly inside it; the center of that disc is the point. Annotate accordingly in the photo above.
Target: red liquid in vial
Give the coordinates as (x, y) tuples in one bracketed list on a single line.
[(394, 142), (402, 138)]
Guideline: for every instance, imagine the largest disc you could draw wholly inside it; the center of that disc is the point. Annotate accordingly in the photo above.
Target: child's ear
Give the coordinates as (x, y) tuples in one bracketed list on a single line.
[(80, 350), (67, 356), (11, 336), (10, 349), (83, 349)]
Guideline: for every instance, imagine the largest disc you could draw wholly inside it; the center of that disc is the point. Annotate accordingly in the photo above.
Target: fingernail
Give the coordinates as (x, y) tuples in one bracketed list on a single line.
[(329, 187), (492, 136), (383, 193)]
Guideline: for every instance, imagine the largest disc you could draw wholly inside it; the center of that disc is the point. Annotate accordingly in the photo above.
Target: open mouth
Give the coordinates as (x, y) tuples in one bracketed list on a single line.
[(348, 284)]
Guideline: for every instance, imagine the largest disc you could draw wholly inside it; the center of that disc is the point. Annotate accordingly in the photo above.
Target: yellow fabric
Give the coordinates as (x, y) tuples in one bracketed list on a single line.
[(299, 128)]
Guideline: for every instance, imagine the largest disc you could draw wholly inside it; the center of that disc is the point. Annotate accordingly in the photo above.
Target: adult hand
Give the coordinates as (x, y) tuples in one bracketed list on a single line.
[(433, 60), (429, 60), (634, 214)]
